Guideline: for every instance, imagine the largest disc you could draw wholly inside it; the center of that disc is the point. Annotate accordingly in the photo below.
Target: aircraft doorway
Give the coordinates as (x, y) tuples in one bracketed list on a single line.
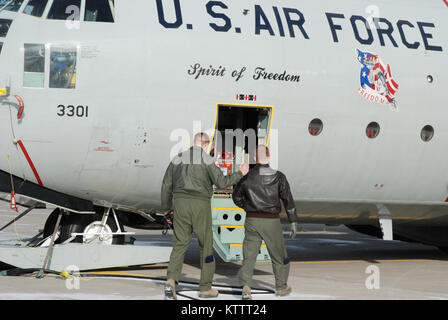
[(239, 129)]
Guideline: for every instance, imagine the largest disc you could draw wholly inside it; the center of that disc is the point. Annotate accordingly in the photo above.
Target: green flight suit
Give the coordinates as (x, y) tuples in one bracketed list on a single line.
[(269, 230), (189, 179)]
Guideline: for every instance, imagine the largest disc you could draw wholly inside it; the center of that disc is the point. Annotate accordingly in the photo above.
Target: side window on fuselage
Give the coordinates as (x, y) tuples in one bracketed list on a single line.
[(63, 67), (34, 66)]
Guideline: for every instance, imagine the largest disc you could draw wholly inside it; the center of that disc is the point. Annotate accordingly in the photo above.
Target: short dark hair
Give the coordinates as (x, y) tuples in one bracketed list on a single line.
[(266, 152), (201, 138)]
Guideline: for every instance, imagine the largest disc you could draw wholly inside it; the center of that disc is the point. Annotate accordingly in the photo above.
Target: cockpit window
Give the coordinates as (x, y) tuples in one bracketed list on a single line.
[(100, 10), (63, 67), (65, 9), (35, 7), (13, 6), (4, 27)]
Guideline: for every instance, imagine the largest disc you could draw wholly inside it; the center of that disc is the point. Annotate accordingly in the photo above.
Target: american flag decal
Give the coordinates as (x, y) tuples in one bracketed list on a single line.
[(377, 83), (391, 85), (246, 97)]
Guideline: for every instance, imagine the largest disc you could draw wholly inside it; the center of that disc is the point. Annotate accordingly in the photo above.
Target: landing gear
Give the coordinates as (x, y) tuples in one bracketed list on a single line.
[(74, 223), (102, 227), (51, 223), (87, 242), (112, 233)]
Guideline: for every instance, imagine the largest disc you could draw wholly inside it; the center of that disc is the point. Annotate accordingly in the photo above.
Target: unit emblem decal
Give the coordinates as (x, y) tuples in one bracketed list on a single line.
[(377, 83)]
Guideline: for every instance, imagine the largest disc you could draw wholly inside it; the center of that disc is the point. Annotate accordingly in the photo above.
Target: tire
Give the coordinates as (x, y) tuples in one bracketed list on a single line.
[(113, 226), (74, 223), (51, 223), (77, 223)]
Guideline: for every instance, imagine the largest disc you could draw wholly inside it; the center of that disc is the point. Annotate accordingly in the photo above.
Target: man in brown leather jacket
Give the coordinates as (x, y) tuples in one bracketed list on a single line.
[(260, 194)]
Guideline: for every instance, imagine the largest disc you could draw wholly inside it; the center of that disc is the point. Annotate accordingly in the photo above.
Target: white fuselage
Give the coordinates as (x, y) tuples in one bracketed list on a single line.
[(141, 81)]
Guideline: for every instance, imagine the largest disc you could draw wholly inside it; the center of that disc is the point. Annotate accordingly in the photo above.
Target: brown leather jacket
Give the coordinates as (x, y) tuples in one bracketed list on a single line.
[(260, 191)]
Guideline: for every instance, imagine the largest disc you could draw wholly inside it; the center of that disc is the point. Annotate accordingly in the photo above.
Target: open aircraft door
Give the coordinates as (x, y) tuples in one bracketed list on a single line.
[(238, 130)]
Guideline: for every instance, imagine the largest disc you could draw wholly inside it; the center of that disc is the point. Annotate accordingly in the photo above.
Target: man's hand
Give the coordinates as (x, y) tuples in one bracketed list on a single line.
[(169, 218), (244, 168), (293, 230)]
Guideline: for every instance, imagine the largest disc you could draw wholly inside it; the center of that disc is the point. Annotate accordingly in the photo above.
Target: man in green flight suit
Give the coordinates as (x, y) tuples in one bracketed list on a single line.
[(189, 179)]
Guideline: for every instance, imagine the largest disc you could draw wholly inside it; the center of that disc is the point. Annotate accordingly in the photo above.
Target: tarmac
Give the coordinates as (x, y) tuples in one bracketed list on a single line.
[(327, 263)]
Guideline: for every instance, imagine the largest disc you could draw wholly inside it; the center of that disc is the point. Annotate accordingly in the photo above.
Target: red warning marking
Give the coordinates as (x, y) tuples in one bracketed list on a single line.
[(13, 202), (21, 107), (30, 162), (446, 2), (446, 200)]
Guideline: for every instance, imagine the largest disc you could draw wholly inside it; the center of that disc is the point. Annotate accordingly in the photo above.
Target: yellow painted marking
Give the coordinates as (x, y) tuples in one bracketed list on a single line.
[(345, 216), (119, 273), (149, 266), (270, 126), (240, 245), (360, 261), (221, 195), (214, 129), (338, 261), (227, 209), (232, 227)]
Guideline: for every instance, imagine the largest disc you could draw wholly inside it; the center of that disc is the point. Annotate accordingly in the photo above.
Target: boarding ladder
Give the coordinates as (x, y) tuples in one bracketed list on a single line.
[(228, 230)]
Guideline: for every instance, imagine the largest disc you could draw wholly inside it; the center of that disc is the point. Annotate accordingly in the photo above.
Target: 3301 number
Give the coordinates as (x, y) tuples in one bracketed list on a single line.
[(72, 111)]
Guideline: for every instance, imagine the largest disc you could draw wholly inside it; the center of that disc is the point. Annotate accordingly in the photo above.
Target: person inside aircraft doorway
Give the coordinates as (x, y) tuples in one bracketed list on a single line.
[(259, 193), (187, 189)]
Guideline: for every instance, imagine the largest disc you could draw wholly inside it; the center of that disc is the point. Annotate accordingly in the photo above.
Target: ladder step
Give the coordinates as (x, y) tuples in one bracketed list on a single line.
[(228, 230), (241, 245)]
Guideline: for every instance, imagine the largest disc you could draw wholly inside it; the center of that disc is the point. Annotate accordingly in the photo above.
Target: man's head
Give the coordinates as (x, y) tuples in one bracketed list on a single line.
[(201, 140), (262, 155)]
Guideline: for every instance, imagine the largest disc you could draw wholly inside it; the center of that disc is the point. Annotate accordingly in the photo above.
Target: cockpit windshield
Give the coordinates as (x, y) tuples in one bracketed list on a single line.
[(100, 10), (35, 7), (65, 9), (13, 5), (4, 27)]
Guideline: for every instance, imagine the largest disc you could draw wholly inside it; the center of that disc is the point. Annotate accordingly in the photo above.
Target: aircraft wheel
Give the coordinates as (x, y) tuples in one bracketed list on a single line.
[(51, 223), (90, 225), (111, 226), (74, 223)]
